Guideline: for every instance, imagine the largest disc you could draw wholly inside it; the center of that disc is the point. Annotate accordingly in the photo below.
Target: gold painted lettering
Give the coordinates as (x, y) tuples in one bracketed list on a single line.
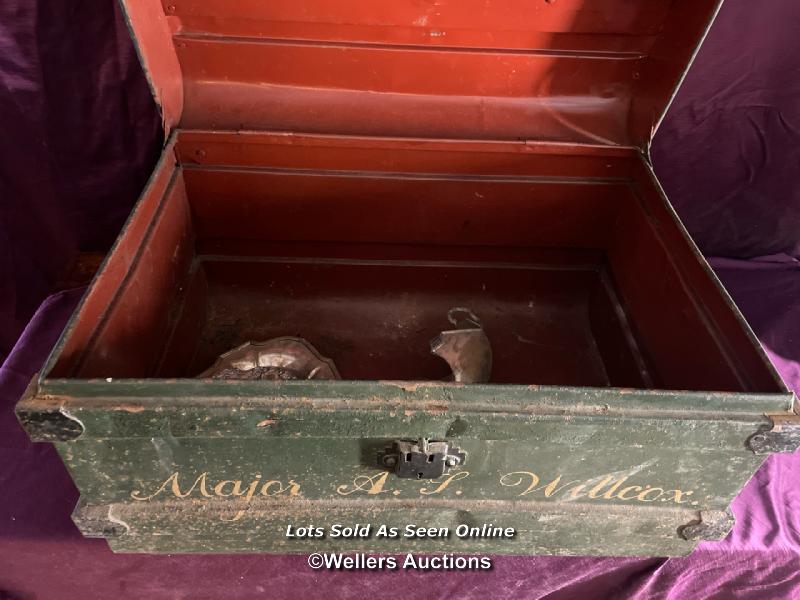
[(265, 489), (679, 494), (294, 487), (576, 491), (553, 487), (625, 490), (517, 477), (610, 492), (175, 488), (235, 517), (642, 497), (444, 483), (224, 489), (364, 483), (605, 487), (236, 490), (595, 491), (251, 489)]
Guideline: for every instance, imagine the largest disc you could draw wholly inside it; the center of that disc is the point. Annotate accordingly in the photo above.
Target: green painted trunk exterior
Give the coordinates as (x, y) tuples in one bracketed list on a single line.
[(193, 466), (189, 465)]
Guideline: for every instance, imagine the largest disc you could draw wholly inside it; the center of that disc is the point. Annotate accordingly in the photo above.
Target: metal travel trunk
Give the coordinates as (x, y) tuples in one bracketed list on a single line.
[(407, 263)]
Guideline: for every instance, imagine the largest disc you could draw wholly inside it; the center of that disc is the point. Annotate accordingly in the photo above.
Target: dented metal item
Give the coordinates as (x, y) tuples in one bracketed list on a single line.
[(278, 359), (466, 348)]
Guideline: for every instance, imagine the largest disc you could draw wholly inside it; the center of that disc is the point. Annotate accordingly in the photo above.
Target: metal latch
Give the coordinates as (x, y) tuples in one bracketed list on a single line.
[(421, 459)]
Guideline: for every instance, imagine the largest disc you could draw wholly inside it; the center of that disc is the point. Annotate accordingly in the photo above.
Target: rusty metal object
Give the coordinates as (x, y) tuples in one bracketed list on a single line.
[(278, 359), (466, 348), (421, 458), (782, 435), (97, 521), (711, 525), (50, 422)]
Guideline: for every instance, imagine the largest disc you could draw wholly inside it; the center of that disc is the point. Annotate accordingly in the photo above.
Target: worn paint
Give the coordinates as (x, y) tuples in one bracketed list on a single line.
[(176, 464)]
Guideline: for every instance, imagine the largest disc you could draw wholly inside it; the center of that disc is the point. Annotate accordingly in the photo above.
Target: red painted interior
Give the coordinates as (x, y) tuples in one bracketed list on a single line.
[(581, 71), (360, 232), (361, 245)]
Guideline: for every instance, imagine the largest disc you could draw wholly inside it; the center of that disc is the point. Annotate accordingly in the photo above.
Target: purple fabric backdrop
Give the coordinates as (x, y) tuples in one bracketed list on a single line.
[(728, 152), (80, 134)]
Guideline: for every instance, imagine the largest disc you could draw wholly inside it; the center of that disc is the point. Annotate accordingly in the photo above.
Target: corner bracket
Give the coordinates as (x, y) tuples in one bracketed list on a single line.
[(710, 525), (783, 435), (45, 421), (97, 521)]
